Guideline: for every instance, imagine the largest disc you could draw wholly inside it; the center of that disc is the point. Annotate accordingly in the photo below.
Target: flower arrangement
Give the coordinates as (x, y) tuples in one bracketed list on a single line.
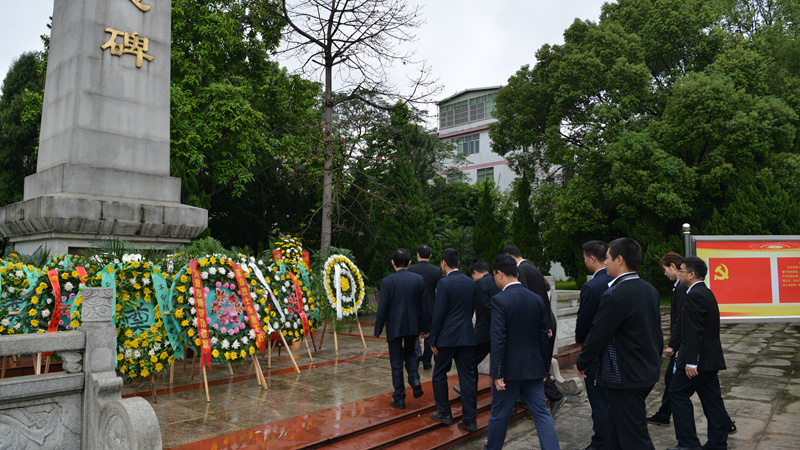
[(54, 292), (344, 286), (140, 293), (231, 335), (15, 278), (293, 310)]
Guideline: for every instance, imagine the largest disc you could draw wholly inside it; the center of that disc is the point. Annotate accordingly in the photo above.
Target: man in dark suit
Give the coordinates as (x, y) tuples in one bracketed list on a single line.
[(671, 263), (453, 337), (401, 307), (431, 274), (532, 278), (626, 336), (485, 289), (698, 362), (519, 356), (594, 256)]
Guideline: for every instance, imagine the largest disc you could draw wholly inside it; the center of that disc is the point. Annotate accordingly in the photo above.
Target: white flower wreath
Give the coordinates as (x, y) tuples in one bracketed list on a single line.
[(344, 286)]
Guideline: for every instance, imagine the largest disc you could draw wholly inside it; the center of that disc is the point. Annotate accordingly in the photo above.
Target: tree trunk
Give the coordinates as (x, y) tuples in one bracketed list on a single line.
[(327, 177)]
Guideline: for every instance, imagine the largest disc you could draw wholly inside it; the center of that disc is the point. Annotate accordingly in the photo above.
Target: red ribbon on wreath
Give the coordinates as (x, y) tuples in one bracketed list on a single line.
[(297, 303), (249, 307), (202, 314)]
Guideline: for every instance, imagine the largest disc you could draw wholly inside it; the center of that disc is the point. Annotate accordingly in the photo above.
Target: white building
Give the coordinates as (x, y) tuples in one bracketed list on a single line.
[(465, 118)]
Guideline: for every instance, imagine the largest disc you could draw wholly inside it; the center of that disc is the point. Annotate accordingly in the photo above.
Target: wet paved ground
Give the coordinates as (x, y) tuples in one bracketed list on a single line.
[(761, 389)]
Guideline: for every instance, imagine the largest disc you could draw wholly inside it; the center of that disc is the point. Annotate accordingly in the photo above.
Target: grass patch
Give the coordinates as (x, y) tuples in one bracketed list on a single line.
[(568, 285)]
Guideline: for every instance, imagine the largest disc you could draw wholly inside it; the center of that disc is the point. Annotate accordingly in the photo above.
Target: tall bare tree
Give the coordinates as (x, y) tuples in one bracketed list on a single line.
[(354, 43)]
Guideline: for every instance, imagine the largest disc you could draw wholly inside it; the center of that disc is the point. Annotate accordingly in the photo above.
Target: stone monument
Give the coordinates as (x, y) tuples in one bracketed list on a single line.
[(103, 163)]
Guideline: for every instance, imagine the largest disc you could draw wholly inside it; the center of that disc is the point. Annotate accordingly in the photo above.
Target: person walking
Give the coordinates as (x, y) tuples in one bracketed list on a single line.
[(518, 357), (626, 336), (401, 307), (453, 338)]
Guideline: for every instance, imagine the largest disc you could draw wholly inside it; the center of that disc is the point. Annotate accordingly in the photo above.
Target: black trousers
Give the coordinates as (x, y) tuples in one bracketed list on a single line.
[(598, 399), (626, 419), (706, 384), (665, 410), (401, 352), (466, 380)]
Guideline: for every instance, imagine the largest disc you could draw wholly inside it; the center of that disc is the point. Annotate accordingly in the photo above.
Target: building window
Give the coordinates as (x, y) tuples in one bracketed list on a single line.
[(469, 145), (466, 111), (486, 174)]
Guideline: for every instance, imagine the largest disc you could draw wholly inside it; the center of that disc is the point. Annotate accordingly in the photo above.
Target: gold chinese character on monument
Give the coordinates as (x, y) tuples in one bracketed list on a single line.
[(140, 5), (131, 44)]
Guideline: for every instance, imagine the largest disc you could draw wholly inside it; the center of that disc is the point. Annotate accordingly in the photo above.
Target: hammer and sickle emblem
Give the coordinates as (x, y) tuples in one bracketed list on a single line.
[(721, 272)]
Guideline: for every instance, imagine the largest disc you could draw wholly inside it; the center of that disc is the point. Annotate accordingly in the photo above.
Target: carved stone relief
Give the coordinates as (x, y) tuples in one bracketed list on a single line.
[(33, 427)]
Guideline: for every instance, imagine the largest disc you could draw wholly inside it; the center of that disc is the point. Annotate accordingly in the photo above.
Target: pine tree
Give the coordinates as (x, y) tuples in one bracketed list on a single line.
[(524, 229), (488, 237)]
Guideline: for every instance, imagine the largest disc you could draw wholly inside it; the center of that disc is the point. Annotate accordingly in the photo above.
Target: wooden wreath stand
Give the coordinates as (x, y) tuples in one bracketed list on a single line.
[(336, 339)]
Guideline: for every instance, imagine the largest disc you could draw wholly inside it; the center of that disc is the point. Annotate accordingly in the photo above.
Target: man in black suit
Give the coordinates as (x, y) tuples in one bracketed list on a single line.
[(431, 274), (532, 278), (626, 336), (594, 256), (485, 289), (698, 362), (401, 307), (453, 337), (519, 356)]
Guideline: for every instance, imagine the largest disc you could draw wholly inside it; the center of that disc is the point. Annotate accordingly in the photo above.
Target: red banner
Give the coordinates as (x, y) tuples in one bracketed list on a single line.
[(298, 303), (740, 280), (307, 260), (200, 306), (53, 276), (82, 274), (277, 255), (249, 307)]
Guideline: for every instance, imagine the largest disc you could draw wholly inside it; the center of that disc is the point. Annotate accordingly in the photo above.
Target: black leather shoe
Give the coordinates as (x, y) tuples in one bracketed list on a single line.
[(457, 389), (399, 404), (447, 420), (468, 426), (419, 359), (656, 419), (418, 391), (555, 406)]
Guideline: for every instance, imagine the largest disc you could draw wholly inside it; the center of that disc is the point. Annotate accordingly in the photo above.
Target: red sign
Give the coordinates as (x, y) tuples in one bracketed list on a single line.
[(740, 280), (789, 279)]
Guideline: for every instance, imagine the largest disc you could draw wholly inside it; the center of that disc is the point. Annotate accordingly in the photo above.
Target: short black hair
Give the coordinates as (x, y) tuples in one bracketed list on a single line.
[(512, 250), (696, 265), (478, 265), (424, 251), (451, 257), (507, 264), (401, 257), (597, 249), (630, 250)]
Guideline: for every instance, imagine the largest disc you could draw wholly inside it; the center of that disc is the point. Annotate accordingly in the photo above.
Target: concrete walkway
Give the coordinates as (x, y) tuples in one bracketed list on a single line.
[(761, 389)]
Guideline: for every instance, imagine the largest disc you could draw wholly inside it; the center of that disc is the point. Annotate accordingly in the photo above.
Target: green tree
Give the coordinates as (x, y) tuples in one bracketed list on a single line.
[(19, 137), (662, 112), (525, 232), (488, 237)]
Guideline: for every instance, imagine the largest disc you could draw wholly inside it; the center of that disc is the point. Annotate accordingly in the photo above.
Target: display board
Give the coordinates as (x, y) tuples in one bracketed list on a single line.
[(754, 278)]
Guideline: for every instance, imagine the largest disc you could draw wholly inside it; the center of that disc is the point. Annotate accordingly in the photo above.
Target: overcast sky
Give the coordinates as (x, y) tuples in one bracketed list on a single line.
[(468, 43)]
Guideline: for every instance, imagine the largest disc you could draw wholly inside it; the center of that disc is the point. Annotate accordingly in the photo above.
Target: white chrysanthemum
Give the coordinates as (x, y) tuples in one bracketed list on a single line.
[(11, 289), (152, 352), (128, 354), (69, 286), (191, 301), (214, 340), (305, 307), (194, 322), (5, 322), (225, 345), (212, 270), (17, 325), (236, 345), (191, 291), (194, 311), (204, 275), (146, 281), (19, 274), (252, 333), (49, 300), (231, 275), (45, 313), (156, 346), (137, 354), (221, 271)]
